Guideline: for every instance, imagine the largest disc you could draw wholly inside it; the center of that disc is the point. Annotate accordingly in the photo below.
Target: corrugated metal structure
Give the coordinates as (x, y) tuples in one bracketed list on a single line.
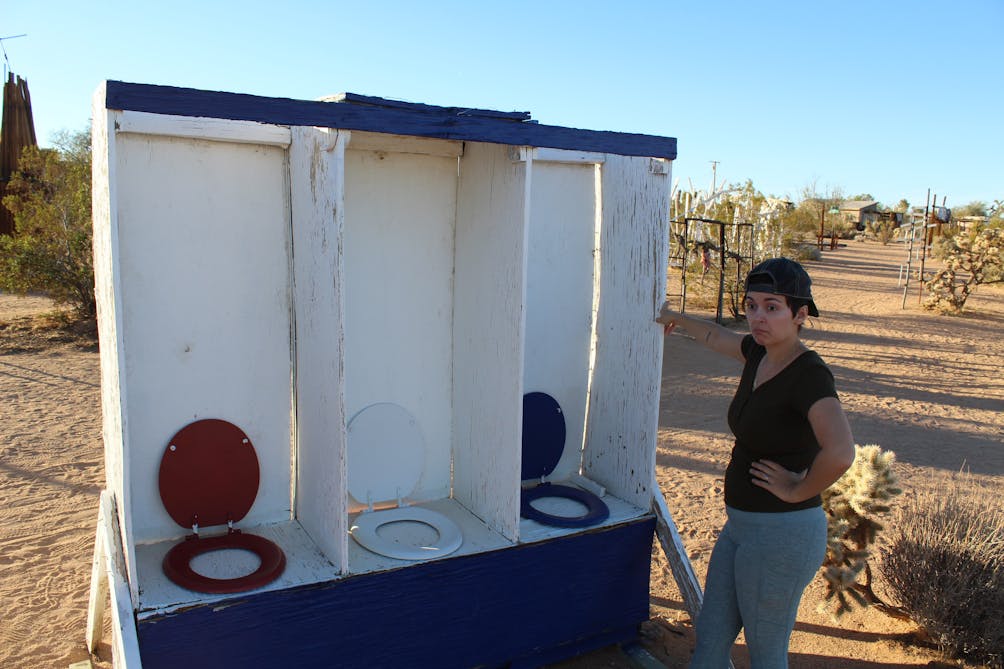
[(17, 132)]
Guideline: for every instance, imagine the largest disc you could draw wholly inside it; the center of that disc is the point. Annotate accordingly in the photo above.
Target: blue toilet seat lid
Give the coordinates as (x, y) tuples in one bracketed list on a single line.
[(543, 435)]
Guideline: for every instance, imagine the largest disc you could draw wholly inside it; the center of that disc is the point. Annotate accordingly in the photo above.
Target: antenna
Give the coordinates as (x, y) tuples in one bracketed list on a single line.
[(6, 61)]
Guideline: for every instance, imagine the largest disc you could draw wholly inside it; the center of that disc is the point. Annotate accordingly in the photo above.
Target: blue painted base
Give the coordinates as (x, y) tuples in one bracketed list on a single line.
[(519, 607)]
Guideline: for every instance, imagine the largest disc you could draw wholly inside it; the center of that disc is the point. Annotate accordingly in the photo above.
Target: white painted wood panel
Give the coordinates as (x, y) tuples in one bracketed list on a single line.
[(107, 293), (398, 292), (488, 334), (209, 129), (624, 397), (317, 176), (559, 295), (204, 291), (378, 141)]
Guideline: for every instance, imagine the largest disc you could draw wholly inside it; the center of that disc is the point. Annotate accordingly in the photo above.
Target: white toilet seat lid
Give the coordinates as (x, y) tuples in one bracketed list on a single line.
[(386, 453), (364, 531)]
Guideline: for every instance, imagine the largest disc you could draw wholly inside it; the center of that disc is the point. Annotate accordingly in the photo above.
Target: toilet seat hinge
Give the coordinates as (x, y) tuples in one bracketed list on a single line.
[(195, 526)]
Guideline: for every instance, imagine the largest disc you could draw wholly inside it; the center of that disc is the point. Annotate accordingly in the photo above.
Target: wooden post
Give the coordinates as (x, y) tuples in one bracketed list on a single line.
[(721, 271), (683, 271), (822, 233), (928, 212)]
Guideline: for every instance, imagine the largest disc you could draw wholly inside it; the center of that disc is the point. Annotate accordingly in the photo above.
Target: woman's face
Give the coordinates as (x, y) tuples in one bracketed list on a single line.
[(770, 318)]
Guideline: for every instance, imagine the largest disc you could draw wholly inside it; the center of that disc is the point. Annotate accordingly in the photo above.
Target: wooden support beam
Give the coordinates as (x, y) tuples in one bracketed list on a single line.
[(679, 563), (672, 546), (108, 579)]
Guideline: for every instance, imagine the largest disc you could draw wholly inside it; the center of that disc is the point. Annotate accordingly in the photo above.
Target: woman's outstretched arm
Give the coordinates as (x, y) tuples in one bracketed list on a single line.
[(714, 336)]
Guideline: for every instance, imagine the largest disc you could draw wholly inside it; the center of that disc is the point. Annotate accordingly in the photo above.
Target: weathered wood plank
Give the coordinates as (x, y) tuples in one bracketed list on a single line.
[(108, 552), (209, 129), (99, 588), (623, 409), (488, 332), (676, 554), (317, 185)]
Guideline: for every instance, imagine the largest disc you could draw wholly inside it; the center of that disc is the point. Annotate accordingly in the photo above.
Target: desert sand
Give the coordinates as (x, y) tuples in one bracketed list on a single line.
[(926, 386)]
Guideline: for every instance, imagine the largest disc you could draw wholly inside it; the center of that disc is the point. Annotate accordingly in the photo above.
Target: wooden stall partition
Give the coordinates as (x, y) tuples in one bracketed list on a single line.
[(317, 186), (624, 391), (491, 249)]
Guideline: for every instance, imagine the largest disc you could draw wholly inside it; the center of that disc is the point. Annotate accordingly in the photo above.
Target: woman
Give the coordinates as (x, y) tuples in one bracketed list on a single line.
[(792, 441)]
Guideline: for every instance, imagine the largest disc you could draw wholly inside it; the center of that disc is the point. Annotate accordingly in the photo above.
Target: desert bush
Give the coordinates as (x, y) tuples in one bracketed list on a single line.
[(944, 562), (855, 507), (50, 251), (803, 252), (884, 231), (978, 258)]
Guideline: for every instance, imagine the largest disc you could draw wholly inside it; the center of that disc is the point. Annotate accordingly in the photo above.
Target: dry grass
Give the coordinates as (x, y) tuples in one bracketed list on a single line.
[(35, 333), (945, 564)]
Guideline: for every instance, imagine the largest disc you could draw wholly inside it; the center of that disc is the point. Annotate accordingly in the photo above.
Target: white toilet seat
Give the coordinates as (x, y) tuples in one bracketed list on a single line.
[(385, 456), (365, 531)]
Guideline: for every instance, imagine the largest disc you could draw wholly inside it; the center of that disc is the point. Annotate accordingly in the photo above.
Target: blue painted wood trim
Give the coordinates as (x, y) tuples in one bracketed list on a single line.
[(387, 119), (355, 98), (517, 607)]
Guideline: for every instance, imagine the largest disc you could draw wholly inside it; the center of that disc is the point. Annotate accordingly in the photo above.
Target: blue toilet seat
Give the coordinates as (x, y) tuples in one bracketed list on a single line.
[(543, 442), (596, 509)]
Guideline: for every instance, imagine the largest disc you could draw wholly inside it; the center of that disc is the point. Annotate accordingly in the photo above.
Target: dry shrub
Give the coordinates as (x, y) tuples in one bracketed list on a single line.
[(945, 564)]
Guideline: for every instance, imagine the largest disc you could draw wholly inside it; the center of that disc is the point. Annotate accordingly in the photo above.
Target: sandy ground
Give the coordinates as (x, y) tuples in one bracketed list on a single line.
[(928, 387)]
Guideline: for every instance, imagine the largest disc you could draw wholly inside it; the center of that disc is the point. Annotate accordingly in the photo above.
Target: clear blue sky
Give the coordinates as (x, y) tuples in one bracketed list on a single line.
[(890, 97)]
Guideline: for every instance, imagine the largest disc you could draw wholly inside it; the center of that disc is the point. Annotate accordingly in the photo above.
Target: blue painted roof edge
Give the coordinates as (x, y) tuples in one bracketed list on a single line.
[(356, 98), (448, 124)]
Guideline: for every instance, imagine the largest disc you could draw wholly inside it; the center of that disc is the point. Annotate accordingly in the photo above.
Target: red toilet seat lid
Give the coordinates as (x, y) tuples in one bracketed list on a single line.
[(209, 474)]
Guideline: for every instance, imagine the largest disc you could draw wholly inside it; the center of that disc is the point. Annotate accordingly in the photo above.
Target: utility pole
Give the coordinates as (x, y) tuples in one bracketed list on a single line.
[(714, 172)]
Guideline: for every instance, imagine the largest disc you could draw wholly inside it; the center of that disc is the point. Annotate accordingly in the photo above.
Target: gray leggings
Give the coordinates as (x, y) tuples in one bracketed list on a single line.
[(759, 568)]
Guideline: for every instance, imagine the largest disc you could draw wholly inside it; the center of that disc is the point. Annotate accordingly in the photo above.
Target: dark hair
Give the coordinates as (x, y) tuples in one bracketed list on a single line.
[(796, 303)]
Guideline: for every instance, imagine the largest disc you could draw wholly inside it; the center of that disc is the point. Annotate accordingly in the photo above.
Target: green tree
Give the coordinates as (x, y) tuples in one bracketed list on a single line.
[(974, 208), (50, 197)]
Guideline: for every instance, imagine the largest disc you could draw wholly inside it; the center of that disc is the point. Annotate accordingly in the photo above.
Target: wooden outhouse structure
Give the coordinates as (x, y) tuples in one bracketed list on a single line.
[(283, 265)]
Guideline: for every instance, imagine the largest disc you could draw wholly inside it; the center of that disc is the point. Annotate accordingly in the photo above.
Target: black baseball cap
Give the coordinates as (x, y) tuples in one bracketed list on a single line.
[(782, 276)]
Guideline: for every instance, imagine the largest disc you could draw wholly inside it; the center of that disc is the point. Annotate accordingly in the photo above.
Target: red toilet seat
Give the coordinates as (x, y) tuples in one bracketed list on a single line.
[(178, 567), (209, 476)]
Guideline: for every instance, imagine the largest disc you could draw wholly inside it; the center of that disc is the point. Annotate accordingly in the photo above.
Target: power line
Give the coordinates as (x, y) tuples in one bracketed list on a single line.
[(7, 67)]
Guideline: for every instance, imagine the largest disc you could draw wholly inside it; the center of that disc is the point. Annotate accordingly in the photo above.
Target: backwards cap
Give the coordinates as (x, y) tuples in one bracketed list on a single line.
[(782, 276)]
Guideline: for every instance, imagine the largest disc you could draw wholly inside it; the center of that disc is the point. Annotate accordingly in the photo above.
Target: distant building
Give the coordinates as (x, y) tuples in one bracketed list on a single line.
[(860, 212), (967, 223)]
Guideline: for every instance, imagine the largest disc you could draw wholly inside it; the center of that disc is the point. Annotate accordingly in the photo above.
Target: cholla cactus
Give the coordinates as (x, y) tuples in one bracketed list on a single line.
[(854, 506), (979, 259)]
